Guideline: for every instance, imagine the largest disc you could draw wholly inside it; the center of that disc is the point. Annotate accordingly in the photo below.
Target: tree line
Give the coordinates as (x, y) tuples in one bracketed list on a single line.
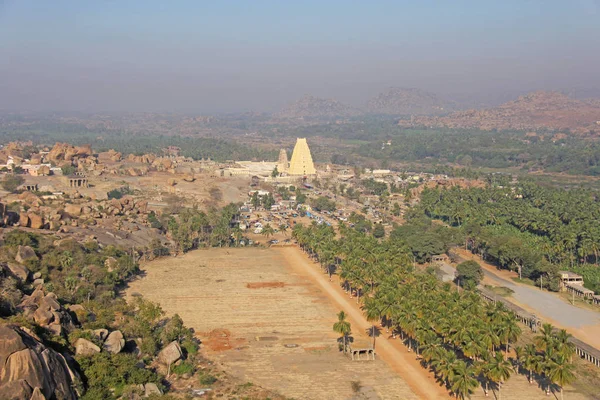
[(464, 340), (525, 227)]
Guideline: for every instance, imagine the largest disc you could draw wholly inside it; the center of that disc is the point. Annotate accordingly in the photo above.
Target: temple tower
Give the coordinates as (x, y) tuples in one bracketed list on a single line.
[(301, 163), (283, 163)]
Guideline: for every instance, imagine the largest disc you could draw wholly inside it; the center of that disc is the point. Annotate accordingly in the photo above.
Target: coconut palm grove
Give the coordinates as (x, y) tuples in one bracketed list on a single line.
[(464, 340)]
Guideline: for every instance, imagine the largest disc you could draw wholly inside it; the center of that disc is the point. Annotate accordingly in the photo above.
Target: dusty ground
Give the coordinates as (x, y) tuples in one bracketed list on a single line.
[(266, 315), (247, 305)]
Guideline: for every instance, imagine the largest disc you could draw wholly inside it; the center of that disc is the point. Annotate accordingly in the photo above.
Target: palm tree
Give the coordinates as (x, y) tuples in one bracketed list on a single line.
[(510, 331), (283, 228), (463, 380), (530, 360), (560, 372), (500, 370), (563, 344), (372, 312), (342, 327), (268, 231), (545, 339), (444, 365)]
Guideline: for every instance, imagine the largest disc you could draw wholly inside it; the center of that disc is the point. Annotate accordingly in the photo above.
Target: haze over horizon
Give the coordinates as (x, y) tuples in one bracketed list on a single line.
[(231, 56)]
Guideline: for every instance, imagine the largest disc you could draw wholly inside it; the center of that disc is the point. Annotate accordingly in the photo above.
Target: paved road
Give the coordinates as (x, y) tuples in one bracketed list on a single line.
[(447, 271), (548, 305)]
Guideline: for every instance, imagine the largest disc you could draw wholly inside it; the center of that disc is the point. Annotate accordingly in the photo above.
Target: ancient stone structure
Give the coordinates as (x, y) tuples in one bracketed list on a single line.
[(78, 181), (283, 163), (301, 163)]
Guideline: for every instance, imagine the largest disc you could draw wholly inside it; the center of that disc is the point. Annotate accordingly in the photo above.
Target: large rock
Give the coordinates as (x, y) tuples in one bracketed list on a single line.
[(23, 220), (85, 348), (26, 365), (43, 317), (73, 210), (151, 388), (170, 354), (35, 221), (18, 271), (25, 253), (114, 342), (100, 334)]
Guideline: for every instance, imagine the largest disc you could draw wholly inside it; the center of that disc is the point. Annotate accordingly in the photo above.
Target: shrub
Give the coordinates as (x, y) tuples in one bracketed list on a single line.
[(183, 368), (206, 378), (12, 182)]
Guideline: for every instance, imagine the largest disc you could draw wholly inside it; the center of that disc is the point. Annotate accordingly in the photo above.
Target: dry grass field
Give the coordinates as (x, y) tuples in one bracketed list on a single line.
[(264, 324), (266, 316)]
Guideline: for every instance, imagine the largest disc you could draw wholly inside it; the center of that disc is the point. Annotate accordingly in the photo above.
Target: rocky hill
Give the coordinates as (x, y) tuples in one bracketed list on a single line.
[(534, 111), (408, 101), (316, 107)]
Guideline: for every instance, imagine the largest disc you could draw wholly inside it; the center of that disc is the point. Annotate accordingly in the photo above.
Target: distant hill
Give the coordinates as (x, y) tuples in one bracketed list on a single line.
[(534, 111), (408, 101), (312, 107)]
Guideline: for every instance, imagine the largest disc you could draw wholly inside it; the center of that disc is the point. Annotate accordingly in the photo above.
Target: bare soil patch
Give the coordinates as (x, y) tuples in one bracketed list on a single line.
[(261, 285)]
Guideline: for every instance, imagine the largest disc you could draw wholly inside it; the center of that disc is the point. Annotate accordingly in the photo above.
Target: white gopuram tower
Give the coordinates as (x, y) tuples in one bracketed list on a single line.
[(301, 163)]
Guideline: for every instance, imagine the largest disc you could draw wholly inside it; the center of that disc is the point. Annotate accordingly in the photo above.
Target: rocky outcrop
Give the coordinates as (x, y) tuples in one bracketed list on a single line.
[(25, 253), (46, 311), (66, 152), (532, 112), (29, 369), (114, 343), (171, 353), (110, 155)]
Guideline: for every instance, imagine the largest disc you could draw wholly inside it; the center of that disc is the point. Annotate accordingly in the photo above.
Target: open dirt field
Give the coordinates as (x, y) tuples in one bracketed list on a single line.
[(264, 323), (266, 316)]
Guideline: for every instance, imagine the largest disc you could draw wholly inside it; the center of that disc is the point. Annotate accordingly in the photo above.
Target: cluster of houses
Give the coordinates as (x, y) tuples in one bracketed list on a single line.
[(25, 165)]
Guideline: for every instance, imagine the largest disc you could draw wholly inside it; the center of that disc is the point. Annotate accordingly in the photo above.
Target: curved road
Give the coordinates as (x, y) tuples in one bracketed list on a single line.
[(547, 304)]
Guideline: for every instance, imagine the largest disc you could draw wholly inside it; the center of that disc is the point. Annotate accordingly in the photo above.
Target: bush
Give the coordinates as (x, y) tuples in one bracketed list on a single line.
[(119, 193), (12, 182), (205, 378), (356, 386), (68, 170), (183, 368), (22, 238)]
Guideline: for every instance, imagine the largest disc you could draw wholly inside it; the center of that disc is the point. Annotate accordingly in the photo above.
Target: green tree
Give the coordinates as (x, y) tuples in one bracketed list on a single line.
[(378, 231), (469, 271), (343, 328), (560, 372), (11, 182), (267, 231), (463, 380)]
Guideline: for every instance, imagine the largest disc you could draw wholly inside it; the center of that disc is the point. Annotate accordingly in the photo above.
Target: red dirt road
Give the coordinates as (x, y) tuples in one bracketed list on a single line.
[(392, 351)]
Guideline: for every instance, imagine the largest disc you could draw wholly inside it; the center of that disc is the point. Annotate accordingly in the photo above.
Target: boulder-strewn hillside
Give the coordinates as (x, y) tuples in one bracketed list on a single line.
[(408, 101), (311, 107), (534, 111)]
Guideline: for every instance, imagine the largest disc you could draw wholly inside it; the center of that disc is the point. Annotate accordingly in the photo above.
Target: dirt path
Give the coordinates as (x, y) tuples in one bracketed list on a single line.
[(391, 351)]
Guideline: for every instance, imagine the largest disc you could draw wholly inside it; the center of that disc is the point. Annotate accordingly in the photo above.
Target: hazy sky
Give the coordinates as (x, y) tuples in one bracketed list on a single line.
[(207, 56)]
